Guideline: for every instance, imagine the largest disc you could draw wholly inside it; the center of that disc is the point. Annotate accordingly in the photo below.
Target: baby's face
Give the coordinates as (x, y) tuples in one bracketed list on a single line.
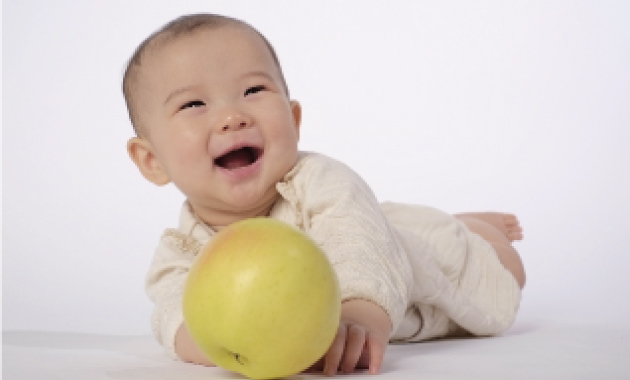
[(218, 120)]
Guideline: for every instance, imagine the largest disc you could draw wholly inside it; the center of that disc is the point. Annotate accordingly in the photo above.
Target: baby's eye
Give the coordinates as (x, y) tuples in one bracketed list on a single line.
[(255, 89), (193, 104)]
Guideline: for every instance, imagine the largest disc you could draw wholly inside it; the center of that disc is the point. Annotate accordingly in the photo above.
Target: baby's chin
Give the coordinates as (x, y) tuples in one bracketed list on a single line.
[(251, 205)]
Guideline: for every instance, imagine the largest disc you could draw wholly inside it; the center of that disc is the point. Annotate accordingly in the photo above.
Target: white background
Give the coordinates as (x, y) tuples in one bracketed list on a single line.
[(487, 105)]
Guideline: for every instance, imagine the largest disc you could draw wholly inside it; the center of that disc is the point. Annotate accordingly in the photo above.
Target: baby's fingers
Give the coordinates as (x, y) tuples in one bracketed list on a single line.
[(377, 350), (355, 342), (335, 352)]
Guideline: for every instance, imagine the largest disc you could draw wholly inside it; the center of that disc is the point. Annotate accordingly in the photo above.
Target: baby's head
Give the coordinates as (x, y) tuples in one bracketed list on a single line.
[(210, 107), (180, 27)]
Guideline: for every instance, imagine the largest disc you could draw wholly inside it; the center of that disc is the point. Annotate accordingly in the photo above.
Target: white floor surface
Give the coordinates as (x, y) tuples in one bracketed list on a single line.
[(532, 349)]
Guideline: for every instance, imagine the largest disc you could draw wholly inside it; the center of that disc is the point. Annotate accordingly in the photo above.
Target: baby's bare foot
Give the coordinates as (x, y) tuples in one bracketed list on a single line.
[(507, 224)]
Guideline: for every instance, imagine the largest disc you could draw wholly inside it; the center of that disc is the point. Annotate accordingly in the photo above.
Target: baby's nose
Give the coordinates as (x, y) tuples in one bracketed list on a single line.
[(235, 121)]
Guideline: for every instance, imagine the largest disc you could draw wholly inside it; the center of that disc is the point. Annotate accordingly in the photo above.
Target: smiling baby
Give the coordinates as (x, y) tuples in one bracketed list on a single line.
[(212, 114)]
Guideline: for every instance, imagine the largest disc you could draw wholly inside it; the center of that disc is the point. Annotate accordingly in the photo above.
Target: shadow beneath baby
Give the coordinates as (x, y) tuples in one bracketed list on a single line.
[(147, 360)]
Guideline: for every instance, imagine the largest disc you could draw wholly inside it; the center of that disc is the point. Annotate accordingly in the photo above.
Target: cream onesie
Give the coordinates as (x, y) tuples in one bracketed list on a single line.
[(432, 275)]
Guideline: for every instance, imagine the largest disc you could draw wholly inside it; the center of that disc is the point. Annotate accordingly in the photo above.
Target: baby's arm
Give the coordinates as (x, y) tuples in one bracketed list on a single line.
[(165, 286), (342, 215)]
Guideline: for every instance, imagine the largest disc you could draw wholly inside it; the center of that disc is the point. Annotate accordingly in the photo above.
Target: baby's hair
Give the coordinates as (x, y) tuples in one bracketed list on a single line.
[(180, 27)]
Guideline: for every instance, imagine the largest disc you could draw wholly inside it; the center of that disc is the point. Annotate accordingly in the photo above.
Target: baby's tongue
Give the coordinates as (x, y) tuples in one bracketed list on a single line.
[(235, 159)]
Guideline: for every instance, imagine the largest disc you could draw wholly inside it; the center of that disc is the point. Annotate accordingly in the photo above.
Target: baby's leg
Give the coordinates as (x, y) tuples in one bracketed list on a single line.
[(500, 230)]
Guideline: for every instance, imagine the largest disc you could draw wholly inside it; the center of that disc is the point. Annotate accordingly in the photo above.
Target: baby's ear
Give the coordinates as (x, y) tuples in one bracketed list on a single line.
[(141, 152), (296, 110)]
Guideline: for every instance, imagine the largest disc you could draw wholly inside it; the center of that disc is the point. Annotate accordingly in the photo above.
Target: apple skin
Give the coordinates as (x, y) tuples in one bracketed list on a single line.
[(262, 299)]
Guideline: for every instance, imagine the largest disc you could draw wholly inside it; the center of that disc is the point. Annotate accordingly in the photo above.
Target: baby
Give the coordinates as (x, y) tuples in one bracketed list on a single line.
[(212, 114)]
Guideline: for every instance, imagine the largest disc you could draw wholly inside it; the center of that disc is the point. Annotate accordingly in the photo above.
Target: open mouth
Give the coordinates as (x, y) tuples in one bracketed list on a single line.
[(239, 158)]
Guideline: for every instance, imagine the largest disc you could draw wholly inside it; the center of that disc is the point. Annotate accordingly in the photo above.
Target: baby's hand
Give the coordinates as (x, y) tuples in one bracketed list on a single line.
[(361, 339)]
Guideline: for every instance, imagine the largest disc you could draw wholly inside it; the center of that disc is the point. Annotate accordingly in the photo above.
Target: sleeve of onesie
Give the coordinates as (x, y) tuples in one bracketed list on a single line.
[(165, 285), (339, 211)]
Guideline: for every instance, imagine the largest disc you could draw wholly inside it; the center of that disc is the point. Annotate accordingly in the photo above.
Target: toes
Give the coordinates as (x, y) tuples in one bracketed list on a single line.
[(515, 233), (512, 236), (510, 220), (506, 223), (514, 229)]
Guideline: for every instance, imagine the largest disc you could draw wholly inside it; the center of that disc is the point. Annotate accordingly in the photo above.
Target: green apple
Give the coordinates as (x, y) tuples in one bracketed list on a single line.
[(262, 299)]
